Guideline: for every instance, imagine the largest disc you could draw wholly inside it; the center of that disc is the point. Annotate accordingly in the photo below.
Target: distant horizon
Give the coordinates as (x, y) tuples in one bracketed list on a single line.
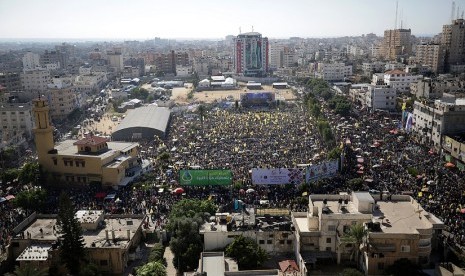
[(51, 39), (27, 20)]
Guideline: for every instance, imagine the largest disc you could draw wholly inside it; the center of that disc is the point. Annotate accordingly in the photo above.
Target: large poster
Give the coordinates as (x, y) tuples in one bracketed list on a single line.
[(322, 170), (205, 177), (277, 176)]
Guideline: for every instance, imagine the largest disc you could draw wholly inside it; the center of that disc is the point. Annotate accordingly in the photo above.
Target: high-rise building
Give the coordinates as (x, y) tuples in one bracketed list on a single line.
[(397, 43), (453, 40), (431, 56), (31, 61), (251, 54), (275, 55)]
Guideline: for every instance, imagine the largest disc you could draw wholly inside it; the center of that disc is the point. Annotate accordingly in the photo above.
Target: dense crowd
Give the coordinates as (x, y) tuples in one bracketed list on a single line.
[(384, 156)]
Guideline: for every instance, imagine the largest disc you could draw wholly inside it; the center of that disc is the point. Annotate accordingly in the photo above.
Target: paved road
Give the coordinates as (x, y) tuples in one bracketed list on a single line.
[(170, 270)]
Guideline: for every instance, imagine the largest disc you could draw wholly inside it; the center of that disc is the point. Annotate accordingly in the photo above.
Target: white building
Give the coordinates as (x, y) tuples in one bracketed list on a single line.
[(31, 61), (381, 97), (432, 120), (369, 68), (275, 55), (333, 71), (36, 80), (183, 71), (400, 80)]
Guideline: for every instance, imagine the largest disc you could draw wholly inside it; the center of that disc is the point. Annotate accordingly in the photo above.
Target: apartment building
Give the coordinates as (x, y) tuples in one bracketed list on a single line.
[(438, 118), (11, 81), (453, 40), (110, 241), (333, 71), (400, 80), (36, 80), (321, 233), (431, 56), (31, 61), (454, 149), (369, 68), (381, 97), (16, 117), (397, 43)]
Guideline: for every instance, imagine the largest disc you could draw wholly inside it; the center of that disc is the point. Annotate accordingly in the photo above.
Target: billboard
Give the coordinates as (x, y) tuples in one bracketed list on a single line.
[(322, 170), (205, 177), (277, 176)]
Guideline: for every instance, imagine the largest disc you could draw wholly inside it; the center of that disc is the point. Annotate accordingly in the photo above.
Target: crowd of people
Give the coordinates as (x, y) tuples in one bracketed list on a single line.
[(377, 151)]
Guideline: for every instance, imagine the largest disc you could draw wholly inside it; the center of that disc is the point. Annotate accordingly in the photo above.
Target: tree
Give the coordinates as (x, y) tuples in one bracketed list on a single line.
[(29, 173), (89, 269), (28, 270), (403, 267), (9, 175), (151, 269), (246, 252), (72, 242), (351, 272), (156, 254), (356, 235), (334, 153), (355, 184), (201, 110), (185, 219), (34, 199)]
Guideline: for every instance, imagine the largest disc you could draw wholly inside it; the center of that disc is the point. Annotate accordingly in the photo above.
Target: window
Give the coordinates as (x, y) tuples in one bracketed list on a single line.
[(405, 248), (269, 242), (380, 266), (328, 240), (331, 228), (261, 242), (289, 241), (103, 262), (328, 248), (55, 162), (281, 241)]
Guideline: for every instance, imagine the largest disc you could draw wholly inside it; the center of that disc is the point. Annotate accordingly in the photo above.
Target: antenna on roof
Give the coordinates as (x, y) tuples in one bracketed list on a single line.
[(401, 18), (240, 30), (458, 10), (397, 8), (452, 11), (252, 28)]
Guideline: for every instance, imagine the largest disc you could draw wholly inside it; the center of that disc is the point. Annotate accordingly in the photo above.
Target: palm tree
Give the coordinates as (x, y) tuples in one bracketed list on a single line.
[(201, 110), (357, 234)]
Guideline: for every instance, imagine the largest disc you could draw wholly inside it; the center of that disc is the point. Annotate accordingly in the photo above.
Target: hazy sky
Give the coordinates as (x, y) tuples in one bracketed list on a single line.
[(141, 19)]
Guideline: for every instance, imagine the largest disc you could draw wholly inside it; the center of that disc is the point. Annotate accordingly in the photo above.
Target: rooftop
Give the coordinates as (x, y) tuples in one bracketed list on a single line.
[(35, 253), (399, 216), (67, 148), (90, 140), (88, 216)]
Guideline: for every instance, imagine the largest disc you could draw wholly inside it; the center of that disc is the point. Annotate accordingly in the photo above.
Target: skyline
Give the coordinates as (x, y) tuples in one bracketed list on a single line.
[(202, 19)]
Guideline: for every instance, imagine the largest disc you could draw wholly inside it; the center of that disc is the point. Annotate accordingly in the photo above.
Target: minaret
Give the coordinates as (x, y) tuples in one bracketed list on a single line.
[(43, 131)]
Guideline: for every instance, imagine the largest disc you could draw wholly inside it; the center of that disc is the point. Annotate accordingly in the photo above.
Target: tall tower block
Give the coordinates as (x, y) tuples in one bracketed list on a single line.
[(43, 131)]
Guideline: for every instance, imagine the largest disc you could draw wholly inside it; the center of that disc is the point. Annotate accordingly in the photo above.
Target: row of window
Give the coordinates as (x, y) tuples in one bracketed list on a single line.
[(271, 242), (79, 179), (78, 163)]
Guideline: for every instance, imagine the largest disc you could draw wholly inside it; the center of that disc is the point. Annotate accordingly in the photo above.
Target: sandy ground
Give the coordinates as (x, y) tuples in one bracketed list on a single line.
[(179, 94), (105, 127)]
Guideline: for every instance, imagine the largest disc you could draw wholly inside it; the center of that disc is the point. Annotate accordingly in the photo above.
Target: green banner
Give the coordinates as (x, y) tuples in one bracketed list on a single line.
[(205, 177)]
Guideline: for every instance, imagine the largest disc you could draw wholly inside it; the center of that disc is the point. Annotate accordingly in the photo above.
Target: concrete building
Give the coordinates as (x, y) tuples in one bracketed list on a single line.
[(369, 68), (333, 71), (431, 56), (275, 55), (454, 149), (431, 89), (251, 54), (31, 61), (442, 117), (274, 234), (397, 43), (400, 80), (80, 162), (11, 81), (321, 233), (62, 97), (36, 80), (453, 40), (110, 241), (381, 97), (167, 62), (115, 60), (358, 94), (16, 118)]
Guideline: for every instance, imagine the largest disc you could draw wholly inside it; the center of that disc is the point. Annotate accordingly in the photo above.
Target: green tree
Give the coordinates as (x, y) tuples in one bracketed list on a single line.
[(316, 111), (201, 110), (9, 175), (29, 173), (356, 235), (334, 153), (72, 242), (156, 254), (185, 219), (351, 272), (33, 199), (89, 269), (28, 270), (151, 269), (247, 253), (355, 184), (403, 267)]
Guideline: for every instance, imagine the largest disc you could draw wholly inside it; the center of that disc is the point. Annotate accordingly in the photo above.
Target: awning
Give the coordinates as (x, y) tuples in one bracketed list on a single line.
[(9, 197)]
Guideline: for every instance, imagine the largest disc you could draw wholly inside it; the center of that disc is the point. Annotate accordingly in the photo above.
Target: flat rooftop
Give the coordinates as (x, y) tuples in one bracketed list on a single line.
[(35, 253), (67, 148), (42, 229), (88, 216), (400, 217), (332, 207)]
